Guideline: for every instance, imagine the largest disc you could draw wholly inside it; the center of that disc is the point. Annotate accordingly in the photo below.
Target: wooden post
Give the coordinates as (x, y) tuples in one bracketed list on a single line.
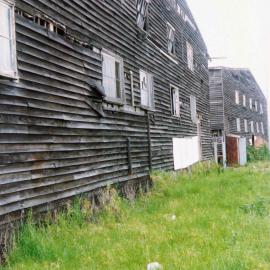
[(132, 88), (129, 156), (149, 141)]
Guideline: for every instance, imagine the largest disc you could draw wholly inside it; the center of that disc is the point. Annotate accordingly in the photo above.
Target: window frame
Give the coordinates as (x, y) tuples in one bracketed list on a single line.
[(250, 104), (262, 128), (258, 127), (237, 97), (151, 92), (118, 59), (238, 124), (256, 105), (244, 100), (252, 126), (174, 104), (145, 16), (14, 74), (170, 29), (261, 109), (246, 125)]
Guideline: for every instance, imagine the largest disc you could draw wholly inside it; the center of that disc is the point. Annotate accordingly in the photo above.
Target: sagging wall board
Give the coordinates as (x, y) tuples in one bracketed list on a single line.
[(185, 152)]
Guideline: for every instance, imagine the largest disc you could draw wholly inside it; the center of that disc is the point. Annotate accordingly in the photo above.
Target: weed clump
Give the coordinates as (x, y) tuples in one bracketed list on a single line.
[(258, 154)]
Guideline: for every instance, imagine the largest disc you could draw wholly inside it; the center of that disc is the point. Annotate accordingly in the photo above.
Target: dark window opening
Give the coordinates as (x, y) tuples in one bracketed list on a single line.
[(142, 14)]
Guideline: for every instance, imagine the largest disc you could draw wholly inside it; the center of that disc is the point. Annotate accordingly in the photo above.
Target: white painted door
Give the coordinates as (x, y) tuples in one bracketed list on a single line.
[(242, 151)]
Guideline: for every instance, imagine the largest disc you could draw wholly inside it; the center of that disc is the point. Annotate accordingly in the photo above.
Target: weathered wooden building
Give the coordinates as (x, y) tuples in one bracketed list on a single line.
[(96, 92), (238, 113)]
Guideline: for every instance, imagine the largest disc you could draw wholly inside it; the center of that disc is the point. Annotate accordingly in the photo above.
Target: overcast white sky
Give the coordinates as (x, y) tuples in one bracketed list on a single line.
[(238, 30)]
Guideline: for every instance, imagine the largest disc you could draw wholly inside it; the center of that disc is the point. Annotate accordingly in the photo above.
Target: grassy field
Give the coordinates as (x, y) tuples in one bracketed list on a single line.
[(208, 220)]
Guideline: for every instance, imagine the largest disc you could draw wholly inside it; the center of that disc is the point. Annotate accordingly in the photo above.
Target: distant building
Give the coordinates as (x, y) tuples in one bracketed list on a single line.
[(238, 113)]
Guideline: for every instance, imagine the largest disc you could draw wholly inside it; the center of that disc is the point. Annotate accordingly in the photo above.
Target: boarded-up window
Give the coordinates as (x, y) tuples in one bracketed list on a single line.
[(244, 101), (171, 39), (262, 127), (8, 65), (142, 14), (238, 124), (250, 103), (246, 125), (237, 100), (175, 101), (193, 109), (252, 126), (190, 56), (186, 152), (112, 72), (147, 91)]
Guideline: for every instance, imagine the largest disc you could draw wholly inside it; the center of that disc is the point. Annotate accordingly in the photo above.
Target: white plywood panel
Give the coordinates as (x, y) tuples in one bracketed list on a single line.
[(242, 151), (185, 152)]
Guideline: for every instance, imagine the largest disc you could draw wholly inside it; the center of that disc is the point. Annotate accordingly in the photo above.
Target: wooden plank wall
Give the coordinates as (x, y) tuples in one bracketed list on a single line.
[(216, 99), (243, 81), (53, 145)]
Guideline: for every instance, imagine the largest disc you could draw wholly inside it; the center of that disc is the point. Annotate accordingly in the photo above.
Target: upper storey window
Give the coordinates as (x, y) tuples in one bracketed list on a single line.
[(261, 108), (8, 65), (190, 56), (147, 90), (142, 14), (256, 106), (175, 101), (172, 3), (171, 38), (237, 99), (244, 101), (112, 73), (250, 103)]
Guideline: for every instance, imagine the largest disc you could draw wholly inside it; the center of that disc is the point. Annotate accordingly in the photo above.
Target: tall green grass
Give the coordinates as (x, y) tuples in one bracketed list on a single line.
[(258, 154), (207, 218)]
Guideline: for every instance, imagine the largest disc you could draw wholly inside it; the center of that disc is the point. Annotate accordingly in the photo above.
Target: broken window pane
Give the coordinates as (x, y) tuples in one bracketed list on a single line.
[(142, 13)]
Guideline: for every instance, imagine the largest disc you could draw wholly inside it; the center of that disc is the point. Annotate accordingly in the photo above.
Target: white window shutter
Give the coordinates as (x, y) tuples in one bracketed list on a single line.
[(108, 72), (151, 91), (177, 103), (238, 124), (7, 65), (144, 88), (5, 22)]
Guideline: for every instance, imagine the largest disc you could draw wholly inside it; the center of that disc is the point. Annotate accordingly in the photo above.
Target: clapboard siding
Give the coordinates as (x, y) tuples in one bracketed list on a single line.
[(53, 144)]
